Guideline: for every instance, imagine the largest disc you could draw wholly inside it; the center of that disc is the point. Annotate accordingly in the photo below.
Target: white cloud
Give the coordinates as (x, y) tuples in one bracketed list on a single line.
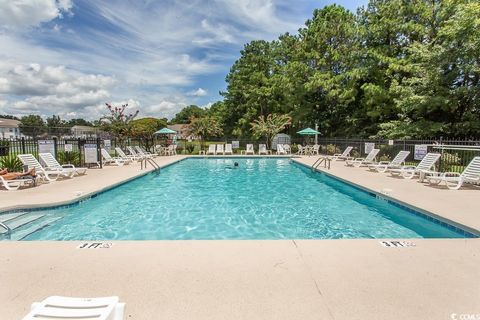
[(19, 14), (150, 52), (198, 93)]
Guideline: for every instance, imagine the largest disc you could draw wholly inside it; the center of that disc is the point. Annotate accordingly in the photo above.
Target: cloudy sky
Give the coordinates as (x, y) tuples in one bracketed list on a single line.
[(69, 57)]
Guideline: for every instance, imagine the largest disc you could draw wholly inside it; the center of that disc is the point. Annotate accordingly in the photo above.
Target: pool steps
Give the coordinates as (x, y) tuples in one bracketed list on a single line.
[(24, 223)]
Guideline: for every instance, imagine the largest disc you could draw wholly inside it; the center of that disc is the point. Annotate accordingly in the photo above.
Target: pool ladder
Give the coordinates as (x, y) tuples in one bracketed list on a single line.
[(8, 231), (321, 160), (144, 161)]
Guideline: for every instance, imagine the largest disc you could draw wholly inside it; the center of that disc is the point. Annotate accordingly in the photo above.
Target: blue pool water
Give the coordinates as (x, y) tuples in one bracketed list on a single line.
[(264, 198)]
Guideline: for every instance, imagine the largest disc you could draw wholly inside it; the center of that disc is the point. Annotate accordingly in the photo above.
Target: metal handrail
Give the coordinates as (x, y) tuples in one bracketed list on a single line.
[(325, 160), (151, 161), (9, 230), (456, 147)]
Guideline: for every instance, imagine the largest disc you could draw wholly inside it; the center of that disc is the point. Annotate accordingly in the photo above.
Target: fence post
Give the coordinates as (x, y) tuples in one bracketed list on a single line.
[(55, 147), (80, 158), (24, 149), (99, 153)]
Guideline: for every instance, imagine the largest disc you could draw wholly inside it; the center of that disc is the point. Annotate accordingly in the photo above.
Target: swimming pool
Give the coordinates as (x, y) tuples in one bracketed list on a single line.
[(210, 198)]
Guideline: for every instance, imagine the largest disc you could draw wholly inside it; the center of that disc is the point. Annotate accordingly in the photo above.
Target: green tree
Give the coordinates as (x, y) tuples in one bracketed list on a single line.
[(144, 129), (117, 122), (205, 127), (270, 126), (57, 126), (184, 116), (79, 122), (32, 125)]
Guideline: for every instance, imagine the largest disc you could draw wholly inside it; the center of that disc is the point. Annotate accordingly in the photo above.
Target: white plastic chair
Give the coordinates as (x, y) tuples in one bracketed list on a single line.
[(46, 174), (396, 163), (425, 166), (53, 164), (143, 153), (109, 160), (358, 162), (228, 149), (15, 184), (262, 149), (220, 149), (455, 180), (55, 307), (343, 156), (211, 149), (281, 149), (125, 157), (249, 149)]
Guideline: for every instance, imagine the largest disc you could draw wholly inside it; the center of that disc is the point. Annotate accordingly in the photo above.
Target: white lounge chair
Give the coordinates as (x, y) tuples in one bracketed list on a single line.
[(396, 163), (125, 157), (53, 164), (211, 149), (455, 180), (15, 184), (109, 160), (220, 149), (358, 162), (249, 149), (45, 174), (301, 150), (281, 149), (343, 156), (55, 307), (132, 152), (144, 153), (228, 149), (425, 166), (262, 149)]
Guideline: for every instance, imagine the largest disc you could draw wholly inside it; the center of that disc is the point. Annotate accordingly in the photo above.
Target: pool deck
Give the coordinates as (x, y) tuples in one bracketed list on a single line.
[(283, 279)]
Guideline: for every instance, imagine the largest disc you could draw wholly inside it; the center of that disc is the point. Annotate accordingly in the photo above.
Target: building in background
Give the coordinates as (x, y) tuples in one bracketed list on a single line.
[(9, 129), (84, 131)]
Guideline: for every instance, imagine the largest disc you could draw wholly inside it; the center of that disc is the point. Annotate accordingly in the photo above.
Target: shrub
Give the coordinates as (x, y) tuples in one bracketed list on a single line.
[(179, 149), (11, 163), (189, 148), (69, 157), (330, 149), (294, 148), (355, 154)]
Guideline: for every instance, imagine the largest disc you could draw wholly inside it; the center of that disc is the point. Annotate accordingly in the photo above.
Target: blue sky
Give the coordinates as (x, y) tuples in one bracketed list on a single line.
[(69, 57)]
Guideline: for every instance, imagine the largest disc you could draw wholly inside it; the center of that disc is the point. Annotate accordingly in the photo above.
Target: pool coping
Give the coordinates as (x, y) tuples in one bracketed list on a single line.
[(86, 196), (468, 232)]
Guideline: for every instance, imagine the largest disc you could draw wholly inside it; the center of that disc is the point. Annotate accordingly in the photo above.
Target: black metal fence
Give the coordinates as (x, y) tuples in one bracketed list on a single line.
[(456, 154)]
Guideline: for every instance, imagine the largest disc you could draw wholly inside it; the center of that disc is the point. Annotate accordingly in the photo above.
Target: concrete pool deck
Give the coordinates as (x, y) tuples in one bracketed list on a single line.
[(283, 279)]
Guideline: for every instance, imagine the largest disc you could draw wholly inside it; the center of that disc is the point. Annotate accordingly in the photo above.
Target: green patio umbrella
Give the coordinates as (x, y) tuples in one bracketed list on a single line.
[(165, 131), (308, 131)]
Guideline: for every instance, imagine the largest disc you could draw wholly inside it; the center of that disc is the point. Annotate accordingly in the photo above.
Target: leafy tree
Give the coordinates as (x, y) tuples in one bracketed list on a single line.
[(184, 116), (57, 126), (270, 126), (205, 127), (143, 129), (117, 122), (6, 116), (79, 122), (32, 125)]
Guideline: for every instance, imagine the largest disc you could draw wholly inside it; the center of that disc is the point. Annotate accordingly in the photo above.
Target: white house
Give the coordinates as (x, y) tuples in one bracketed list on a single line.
[(9, 129)]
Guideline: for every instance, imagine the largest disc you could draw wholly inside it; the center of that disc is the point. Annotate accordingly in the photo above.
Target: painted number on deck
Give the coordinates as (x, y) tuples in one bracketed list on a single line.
[(397, 244), (95, 245)]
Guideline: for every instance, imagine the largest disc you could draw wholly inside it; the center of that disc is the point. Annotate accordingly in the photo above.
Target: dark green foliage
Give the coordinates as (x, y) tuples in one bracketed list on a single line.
[(13, 164), (396, 69), (69, 157)]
